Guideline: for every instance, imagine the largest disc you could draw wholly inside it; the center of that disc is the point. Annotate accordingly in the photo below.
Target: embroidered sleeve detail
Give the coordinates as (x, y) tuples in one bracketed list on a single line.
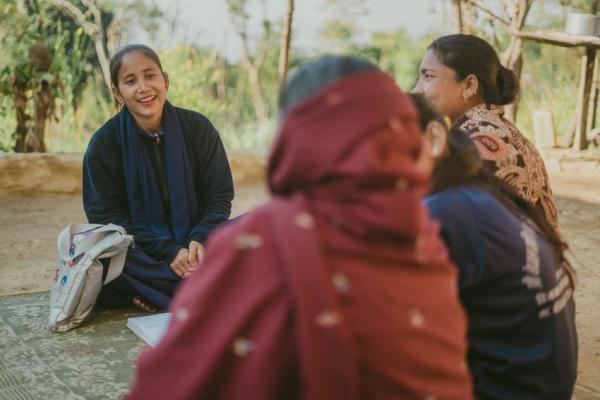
[(512, 156)]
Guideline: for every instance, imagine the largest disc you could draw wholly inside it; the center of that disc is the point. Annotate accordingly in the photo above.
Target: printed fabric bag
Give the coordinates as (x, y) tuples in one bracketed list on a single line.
[(78, 278)]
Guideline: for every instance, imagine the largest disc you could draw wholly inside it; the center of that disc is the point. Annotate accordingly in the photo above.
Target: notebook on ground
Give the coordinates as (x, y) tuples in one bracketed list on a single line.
[(150, 328)]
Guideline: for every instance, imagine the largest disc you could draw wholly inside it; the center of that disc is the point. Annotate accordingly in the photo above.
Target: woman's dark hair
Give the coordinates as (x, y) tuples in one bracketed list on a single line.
[(117, 59), (314, 75), (463, 166), (468, 54)]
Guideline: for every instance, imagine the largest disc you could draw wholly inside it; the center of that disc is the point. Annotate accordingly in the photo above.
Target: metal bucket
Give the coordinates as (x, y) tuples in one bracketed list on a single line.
[(583, 24)]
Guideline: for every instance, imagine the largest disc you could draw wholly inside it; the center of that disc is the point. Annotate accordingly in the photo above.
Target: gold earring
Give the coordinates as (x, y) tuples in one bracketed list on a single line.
[(448, 122), (466, 98)]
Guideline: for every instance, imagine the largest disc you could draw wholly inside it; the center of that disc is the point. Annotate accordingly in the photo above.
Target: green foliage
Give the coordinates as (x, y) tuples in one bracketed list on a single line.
[(338, 33), (71, 62), (397, 54), (580, 5), (549, 80), (202, 79), (8, 124)]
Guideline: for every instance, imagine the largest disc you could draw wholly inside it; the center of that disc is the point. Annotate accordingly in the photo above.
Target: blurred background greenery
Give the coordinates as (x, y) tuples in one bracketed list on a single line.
[(69, 83)]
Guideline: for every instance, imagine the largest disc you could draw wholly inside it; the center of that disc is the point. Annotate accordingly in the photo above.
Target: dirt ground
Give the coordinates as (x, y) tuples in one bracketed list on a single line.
[(30, 223)]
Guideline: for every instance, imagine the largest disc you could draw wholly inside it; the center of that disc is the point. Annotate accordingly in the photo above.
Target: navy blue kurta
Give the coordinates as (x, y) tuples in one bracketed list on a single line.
[(105, 200), (522, 338)]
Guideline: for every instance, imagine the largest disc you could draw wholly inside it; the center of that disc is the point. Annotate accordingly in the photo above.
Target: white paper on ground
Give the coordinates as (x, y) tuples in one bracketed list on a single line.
[(150, 328)]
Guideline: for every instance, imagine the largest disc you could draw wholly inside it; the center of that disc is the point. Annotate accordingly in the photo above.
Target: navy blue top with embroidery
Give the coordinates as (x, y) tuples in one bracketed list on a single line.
[(522, 338)]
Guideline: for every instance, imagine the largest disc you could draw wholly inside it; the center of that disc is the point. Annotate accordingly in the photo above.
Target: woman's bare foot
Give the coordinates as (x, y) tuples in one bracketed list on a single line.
[(144, 305)]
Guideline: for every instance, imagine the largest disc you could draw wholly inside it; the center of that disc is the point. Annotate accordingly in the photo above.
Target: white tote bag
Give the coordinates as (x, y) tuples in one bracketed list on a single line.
[(78, 278)]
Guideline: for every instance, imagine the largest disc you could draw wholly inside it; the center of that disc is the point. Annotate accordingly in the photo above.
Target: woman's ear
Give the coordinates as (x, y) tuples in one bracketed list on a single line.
[(471, 87), (166, 79), (117, 95), (438, 137)]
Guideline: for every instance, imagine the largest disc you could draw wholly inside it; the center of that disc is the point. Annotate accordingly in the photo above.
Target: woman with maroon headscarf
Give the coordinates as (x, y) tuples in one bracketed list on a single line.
[(338, 287)]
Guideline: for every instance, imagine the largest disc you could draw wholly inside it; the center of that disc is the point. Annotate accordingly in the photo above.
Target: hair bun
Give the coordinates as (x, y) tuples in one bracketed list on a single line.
[(508, 86)]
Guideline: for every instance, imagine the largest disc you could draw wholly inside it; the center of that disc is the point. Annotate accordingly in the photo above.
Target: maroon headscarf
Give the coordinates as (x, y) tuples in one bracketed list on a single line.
[(354, 142)]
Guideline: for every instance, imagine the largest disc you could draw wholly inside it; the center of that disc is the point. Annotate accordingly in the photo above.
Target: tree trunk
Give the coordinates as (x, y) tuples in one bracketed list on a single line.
[(221, 85), (252, 65), (102, 59), (594, 90), (512, 57), (286, 37), (256, 91), (593, 100), (20, 102), (43, 107), (458, 16), (583, 99), (240, 88)]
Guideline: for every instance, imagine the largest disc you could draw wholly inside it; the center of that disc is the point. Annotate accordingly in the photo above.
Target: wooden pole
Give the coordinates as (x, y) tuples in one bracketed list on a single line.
[(594, 101), (286, 37), (583, 98), (588, 64), (458, 17)]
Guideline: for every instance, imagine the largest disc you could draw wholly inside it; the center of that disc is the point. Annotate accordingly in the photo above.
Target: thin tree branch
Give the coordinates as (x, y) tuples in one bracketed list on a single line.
[(91, 6), (284, 47), (94, 30), (70, 10), (482, 7)]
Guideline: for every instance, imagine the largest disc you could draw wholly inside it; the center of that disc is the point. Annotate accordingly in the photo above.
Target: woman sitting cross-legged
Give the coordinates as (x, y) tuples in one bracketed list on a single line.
[(160, 172), (337, 288), (514, 281)]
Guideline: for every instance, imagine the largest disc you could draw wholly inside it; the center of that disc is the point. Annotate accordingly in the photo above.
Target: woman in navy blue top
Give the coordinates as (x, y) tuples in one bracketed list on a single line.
[(159, 171), (514, 282)]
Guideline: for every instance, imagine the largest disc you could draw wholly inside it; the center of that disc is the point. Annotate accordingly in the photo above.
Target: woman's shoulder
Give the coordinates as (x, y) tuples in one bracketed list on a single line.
[(196, 120), (456, 196), (104, 138), (486, 117), (464, 203)]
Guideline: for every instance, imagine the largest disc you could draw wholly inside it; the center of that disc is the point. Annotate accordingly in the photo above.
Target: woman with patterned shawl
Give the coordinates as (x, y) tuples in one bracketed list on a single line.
[(339, 286), (462, 76), (514, 281)]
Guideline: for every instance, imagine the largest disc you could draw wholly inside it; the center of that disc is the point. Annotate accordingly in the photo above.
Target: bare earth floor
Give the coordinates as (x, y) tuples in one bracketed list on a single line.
[(30, 223)]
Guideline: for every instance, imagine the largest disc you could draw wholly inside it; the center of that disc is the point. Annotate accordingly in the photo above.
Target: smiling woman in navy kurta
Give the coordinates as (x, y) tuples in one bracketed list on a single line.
[(160, 172)]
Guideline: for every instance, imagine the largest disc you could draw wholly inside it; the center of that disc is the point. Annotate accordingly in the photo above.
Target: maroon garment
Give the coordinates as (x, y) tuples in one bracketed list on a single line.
[(337, 288)]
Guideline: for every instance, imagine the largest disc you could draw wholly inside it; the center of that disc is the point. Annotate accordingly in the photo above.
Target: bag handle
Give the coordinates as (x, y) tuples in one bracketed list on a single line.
[(91, 235), (65, 240), (117, 262)]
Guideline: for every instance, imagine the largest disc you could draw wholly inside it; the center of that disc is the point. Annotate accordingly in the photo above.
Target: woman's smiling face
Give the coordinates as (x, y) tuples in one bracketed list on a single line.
[(439, 85), (142, 88)]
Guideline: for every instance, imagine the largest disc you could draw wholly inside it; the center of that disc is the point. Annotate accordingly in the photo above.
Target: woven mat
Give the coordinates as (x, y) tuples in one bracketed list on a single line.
[(94, 361)]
